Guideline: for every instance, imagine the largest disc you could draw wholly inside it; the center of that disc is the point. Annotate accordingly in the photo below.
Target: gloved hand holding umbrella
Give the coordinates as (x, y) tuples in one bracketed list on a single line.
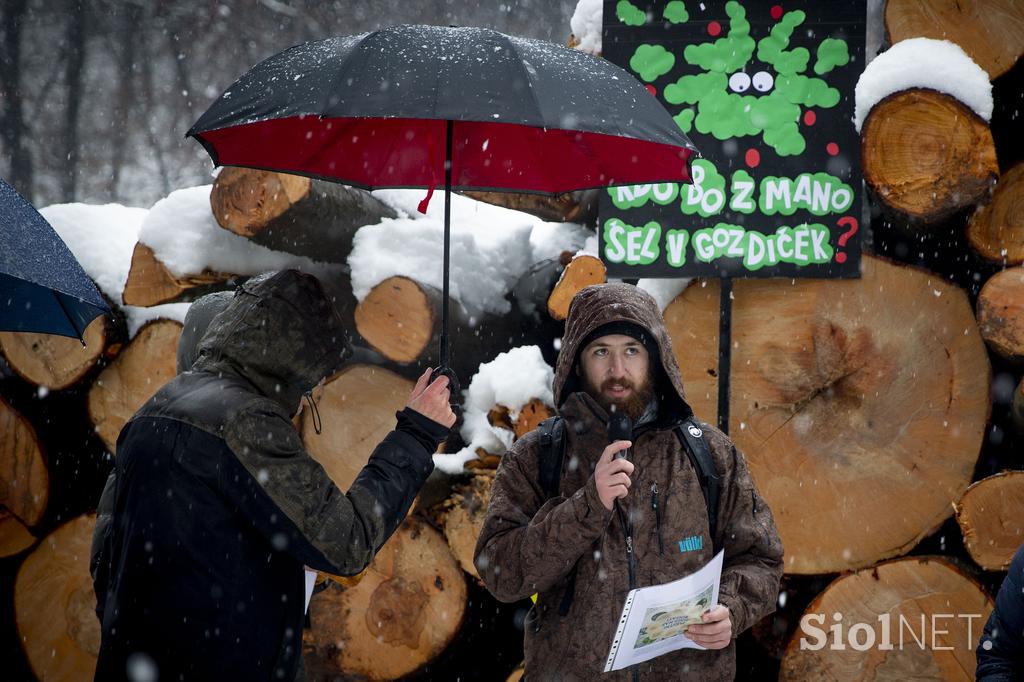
[(415, 106)]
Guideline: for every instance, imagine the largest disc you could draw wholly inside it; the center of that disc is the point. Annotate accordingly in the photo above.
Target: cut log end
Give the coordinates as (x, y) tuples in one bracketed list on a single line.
[(926, 155), (465, 518), (1001, 313), (58, 362), (244, 200), (989, 517), (829, 380), (397, 318), (151, 283), (991, 32), (15, 537), (147, 363), (24, 478), (996, 230), (583, 271), (55, 606), (923, 599), (357, 409), (400, 616)]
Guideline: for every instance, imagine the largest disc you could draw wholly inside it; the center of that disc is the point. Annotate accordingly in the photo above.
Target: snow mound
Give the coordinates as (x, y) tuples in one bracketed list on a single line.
[(512, 379), (186, 238), (664, 291), (586, 25), (923, 63)]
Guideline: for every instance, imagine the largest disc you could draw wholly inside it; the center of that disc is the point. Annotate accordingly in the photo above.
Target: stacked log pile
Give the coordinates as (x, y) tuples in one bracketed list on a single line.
[(882, 418)]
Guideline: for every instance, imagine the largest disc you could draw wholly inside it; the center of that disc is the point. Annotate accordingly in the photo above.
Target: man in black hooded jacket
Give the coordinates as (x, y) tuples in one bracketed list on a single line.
[(217, 506)]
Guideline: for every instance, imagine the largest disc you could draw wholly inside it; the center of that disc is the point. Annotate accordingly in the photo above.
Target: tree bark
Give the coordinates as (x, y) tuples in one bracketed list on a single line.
[(357, 409), (991, 32), (400, 616), (996, 230), (1001, 314), (145, 365), (845, 389), (926, 155), (55, 606), (989, 515), (292, 213), (59, 362), (571, 207), (24, 477), (920, 597)]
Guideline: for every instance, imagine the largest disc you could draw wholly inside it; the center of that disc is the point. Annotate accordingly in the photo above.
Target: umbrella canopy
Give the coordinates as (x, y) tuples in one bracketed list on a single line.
[(464, 108), (43, 289), (371, 110)]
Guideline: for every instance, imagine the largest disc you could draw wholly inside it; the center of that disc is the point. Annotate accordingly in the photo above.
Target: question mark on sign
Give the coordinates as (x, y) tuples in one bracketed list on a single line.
[(845, 236)]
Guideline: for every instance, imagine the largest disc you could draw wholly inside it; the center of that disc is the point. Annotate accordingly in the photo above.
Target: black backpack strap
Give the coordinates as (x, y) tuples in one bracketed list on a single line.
[(552, 452), (696, 446)]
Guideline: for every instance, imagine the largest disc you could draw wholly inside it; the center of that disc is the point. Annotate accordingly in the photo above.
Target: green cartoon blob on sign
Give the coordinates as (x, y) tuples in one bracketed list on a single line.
[(731, 103), (675, 12), (652, 61), (630, 14), (831, 53), (729, 53)]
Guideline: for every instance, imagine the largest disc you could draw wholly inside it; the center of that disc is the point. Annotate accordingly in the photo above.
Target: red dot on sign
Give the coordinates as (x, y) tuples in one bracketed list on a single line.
[(753, 158), (832, 148), (840, 257), (714, 28), (776, 12), (651, 89), (810, 117)]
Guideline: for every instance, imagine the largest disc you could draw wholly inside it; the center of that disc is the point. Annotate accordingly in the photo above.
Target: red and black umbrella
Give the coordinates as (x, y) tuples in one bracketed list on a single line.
[(462, 108)]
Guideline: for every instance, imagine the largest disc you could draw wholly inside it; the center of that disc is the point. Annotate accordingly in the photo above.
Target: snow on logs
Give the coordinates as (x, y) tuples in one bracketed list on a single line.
[(912, 618), (146, 364), (860, 405), (1001, 313), (55, 606), (996, 230), (295, 214), (990, 31), (403, 613), (989, 517)]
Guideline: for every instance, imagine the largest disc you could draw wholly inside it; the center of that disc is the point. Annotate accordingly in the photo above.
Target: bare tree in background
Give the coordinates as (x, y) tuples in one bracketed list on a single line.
[(13, 119), (75, 46)]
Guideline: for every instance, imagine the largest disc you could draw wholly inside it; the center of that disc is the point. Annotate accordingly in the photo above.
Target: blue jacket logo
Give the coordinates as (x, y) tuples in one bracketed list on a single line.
[(692, 543)]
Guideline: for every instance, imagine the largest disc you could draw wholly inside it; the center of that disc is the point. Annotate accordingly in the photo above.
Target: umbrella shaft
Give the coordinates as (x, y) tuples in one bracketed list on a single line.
[(444, 350)]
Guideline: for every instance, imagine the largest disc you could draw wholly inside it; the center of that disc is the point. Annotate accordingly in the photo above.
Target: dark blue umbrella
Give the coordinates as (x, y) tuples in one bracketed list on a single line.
[(43, 289)]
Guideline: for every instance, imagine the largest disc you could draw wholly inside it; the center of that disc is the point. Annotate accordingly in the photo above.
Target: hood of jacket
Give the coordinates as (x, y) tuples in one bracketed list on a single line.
[(600, 304), (279, 332), (197, 321)]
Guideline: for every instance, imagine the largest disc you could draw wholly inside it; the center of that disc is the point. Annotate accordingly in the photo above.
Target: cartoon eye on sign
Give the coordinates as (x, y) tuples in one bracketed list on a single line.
[(762, 81), (739, 82)]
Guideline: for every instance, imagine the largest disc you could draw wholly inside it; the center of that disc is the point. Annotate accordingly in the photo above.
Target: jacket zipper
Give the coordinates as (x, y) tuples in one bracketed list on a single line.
[(657, 516), (627, 529)]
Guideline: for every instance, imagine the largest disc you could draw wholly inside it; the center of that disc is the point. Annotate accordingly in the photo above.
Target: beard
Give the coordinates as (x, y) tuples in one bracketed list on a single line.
[(633, 405)]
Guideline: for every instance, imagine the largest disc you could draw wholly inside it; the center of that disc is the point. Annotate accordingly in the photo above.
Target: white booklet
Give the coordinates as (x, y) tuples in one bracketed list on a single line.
[(654, 618)]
